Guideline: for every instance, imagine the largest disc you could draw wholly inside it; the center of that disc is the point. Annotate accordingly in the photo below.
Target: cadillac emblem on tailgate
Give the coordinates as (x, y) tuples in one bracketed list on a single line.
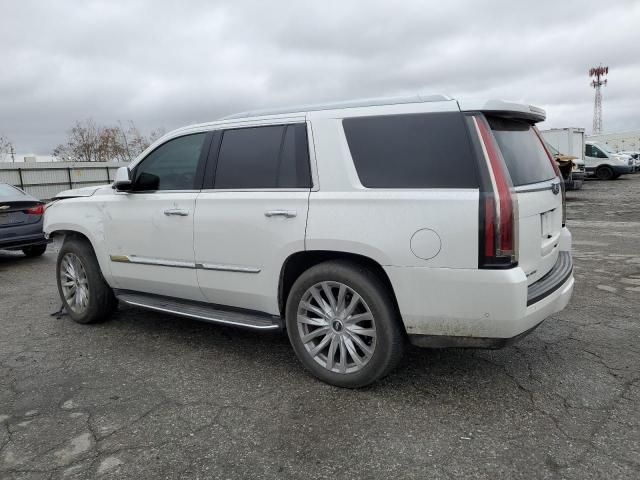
[(555, 188)]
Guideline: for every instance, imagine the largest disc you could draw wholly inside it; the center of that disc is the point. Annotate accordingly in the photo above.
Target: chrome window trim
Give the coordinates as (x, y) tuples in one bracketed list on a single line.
[(211, 190), (151, 192)]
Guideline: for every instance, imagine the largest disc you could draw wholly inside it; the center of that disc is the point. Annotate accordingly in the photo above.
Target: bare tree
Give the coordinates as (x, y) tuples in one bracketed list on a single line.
[(6, 147), (134, 143), (82, 144), (88, 142)]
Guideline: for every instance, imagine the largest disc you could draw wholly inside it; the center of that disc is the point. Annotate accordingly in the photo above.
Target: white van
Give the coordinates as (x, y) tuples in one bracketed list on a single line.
[(604, 163)]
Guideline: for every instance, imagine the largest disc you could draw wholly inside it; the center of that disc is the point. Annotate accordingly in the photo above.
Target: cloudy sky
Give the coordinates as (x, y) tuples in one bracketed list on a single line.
[(167, 64)]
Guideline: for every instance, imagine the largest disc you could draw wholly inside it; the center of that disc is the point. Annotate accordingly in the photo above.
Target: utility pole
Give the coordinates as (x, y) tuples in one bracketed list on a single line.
[(598, 74), (13, 154)]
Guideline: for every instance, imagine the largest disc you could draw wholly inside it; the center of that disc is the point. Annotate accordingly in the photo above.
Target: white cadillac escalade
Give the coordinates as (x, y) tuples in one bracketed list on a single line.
[(356, 227)]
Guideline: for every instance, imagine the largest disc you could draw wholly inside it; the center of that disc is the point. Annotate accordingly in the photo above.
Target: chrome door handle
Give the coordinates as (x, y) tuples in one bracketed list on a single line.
[(280, 213), (176, 211)]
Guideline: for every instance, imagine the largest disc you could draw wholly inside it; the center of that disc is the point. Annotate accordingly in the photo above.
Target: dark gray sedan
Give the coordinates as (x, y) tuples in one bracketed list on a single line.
[(21, 222)]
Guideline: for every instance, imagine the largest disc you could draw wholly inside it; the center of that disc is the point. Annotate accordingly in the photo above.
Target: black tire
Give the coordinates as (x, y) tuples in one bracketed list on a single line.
[(390, 334), (35, 250), (101, 300), (604, 173)]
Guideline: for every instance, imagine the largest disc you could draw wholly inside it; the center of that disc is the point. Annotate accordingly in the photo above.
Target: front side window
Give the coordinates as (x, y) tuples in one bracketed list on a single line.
[(171, 166), (588, 150), (593, 151), (599, 153), (274, 156)]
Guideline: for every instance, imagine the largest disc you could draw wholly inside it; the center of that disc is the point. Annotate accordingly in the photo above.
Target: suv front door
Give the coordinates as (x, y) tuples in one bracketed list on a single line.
[(149, 230), (252, 213)]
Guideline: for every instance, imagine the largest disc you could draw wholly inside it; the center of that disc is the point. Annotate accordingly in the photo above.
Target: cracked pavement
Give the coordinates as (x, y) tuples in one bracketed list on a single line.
[(152, 396)]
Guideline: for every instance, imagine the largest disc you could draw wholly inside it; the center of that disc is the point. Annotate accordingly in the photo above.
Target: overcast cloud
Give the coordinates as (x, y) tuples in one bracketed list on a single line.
[(167, 64)]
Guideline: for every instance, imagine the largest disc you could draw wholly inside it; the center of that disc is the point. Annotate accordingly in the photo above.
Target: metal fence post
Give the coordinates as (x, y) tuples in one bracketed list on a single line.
[(21, 181), (108, 179), (69, 175)]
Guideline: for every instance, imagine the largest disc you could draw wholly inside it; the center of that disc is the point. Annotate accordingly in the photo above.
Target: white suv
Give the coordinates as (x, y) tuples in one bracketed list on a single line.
[(354, 226)]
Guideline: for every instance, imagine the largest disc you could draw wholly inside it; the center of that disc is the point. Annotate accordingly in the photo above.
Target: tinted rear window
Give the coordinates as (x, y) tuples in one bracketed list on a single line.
[(7, 191), (522, 150), (429, 150)]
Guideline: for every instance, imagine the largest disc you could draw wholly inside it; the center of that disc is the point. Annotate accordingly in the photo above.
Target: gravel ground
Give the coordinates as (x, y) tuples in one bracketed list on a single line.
[(152, 396)]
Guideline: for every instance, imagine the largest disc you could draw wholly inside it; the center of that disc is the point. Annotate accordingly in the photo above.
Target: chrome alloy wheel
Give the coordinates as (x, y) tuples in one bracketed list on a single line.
[(336, 327), (74, 283)]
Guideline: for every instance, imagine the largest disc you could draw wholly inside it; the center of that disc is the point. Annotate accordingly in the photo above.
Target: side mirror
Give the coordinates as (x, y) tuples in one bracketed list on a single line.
[(122, 182)]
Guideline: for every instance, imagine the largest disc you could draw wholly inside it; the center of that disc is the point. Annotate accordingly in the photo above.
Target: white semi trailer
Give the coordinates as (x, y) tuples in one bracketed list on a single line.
[(569, 141)]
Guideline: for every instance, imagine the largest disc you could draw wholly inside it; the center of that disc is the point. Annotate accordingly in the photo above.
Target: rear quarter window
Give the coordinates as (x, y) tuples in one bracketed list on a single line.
[(522, 150), (429, 150)]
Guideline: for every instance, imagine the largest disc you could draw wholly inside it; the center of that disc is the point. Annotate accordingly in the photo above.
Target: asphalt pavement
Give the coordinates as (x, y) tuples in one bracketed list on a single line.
[(151, 396)]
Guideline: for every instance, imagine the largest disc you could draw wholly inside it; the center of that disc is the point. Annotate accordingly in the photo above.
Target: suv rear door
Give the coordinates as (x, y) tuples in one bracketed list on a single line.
[(252, 213), (538, 192)]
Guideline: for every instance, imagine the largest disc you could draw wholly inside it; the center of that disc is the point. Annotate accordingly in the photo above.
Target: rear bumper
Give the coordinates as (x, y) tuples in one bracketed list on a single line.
[(622, 170), (552, 281), (476, 308), (15, 243), (575, 181)]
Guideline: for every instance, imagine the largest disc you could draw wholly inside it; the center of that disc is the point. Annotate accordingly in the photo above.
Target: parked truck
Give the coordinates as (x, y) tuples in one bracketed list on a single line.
[(568, 144)]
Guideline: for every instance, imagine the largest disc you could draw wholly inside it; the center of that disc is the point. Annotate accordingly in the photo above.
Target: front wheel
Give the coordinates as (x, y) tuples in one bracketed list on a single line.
[(85, 295), (343, 325), (604, 173)]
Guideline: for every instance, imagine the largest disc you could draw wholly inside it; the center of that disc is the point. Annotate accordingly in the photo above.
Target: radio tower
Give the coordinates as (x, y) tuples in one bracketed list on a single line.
[(598, 74)]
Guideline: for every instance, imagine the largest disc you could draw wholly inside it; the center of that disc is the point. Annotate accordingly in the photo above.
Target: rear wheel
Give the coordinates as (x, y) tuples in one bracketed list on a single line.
[(343, 325), (34, 250), (85, 295), (604, 173)]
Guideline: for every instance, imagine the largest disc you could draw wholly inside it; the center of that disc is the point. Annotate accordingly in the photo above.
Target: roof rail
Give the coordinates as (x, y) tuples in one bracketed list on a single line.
[(367, 102)]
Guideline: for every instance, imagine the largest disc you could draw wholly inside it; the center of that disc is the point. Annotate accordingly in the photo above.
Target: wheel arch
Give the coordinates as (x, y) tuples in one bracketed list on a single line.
[(77, 232), (299, 262)]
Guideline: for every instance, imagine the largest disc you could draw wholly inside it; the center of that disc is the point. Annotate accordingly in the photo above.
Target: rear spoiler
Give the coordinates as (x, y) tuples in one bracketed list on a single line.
[(504, 109)]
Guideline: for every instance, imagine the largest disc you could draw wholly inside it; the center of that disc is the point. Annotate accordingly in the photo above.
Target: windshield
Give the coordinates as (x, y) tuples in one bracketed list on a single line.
[(604, 147)]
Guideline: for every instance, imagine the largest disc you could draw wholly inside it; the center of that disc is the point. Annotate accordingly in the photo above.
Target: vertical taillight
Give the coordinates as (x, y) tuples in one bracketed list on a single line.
[(499, 205), (558, 175)]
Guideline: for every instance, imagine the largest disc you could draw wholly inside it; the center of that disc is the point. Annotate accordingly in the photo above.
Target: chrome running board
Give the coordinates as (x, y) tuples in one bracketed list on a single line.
[(200, 311)]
